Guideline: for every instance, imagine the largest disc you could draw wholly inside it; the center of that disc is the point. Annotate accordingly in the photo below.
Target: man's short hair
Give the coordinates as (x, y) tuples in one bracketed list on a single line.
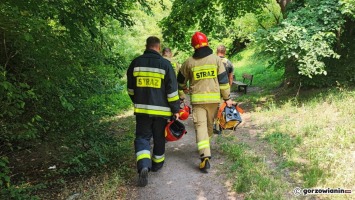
[(221, 49), (166, 50), (152, 41)]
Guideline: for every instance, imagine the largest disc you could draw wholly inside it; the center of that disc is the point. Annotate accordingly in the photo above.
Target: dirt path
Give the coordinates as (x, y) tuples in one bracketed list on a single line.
[(180, 177)]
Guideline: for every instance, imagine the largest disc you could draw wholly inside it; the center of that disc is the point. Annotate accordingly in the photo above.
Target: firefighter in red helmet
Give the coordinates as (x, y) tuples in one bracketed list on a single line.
[(208, 81)]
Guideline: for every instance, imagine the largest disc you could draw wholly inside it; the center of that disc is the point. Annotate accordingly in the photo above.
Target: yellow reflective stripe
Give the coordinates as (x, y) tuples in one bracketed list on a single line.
[(142, 156), (172, 94), (152, 112), (224, 86), (151, 107), (203, 144), (149, 69), (201, 45), (173, 98), (158, 159), (148, 74), (204, 67), (205, 97), (143, 152)]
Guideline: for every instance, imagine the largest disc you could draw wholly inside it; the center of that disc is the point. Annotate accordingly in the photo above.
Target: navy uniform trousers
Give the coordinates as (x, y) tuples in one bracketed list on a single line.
[(146, 128)]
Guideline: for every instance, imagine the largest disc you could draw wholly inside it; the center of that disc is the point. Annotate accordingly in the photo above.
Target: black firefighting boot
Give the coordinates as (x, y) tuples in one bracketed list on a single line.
[(143, 177), (205, 165), (157, 166)]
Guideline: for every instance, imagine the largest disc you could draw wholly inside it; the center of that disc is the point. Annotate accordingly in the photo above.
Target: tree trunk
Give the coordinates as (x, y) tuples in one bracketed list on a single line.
[(291, 76), (283, 4)]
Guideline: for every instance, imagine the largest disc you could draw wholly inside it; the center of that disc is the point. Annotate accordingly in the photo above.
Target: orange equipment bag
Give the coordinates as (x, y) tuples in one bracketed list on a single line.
[(229, 117)]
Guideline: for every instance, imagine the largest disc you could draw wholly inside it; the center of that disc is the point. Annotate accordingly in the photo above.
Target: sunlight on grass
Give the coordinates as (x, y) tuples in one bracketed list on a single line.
[(248, 62), (250, 174), (317, 134)]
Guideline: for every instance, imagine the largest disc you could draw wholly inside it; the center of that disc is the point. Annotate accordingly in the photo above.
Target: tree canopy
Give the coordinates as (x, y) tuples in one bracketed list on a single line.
[(300, 35)]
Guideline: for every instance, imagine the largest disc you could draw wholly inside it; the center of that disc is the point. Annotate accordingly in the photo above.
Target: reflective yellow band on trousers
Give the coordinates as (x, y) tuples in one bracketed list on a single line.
[(158, 159), (203, 144), (205, 97), (143, 154)]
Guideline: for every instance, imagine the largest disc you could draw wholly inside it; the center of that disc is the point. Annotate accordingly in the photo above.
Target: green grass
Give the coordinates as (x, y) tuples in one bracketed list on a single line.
[(264, 76), (112, 180), (314, 133), (283, 143), (311, 131), (250, 174)]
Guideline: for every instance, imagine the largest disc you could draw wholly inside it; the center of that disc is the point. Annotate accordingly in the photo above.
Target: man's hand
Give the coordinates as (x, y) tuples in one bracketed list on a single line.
[(177, 115), (174, 117), (229, 103)]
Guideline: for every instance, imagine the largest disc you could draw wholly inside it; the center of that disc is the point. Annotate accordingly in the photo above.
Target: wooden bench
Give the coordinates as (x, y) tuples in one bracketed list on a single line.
[(243, 84)]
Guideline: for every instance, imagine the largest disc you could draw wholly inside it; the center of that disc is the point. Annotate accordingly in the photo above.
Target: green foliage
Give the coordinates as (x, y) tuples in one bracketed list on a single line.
[(348, 8), (306, 37), (211, 17), (9, 191), (60, 74), (249, 62), (244, 27), (4, 172), (94, 149)]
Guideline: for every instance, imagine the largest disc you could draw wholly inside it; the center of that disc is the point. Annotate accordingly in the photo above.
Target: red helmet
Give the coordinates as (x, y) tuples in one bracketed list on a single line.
[(199, 40), (174, 130), (184, 112)]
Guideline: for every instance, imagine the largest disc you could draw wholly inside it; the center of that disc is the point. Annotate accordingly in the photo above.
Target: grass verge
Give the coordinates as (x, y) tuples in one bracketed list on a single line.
[(114, 183), (250, 174), (315, 135), (311, 131), (249, 62)]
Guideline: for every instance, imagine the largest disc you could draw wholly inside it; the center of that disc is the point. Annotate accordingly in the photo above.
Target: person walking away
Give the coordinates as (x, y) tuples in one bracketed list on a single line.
[(208, 80), (152, 87), (221, 52), (167, 54)]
